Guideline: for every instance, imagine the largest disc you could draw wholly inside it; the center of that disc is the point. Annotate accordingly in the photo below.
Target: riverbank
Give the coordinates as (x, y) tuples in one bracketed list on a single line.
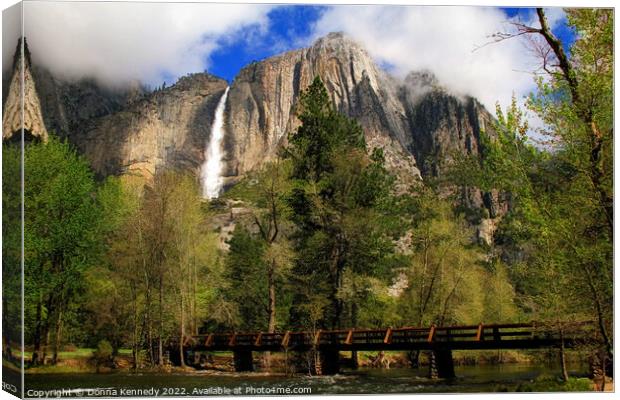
[(479, 371), (80, 360), (470, 379)]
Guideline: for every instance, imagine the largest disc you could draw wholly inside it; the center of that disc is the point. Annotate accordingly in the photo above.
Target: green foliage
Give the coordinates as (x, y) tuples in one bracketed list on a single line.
[(103, 353), (338, 207), (550, 384), (323, 132), (11, 242), (558, 232), (499, 296), (445, 278), (245, 270), (258, 263), (62, 233), (153, 281)]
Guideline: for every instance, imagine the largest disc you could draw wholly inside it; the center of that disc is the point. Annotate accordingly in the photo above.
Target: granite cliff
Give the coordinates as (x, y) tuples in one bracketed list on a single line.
[(420, 124), (263, 97), (12, 119)]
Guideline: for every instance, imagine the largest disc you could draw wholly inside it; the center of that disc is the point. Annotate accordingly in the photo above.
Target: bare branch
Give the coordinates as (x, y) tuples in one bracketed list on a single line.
[(521, 29)]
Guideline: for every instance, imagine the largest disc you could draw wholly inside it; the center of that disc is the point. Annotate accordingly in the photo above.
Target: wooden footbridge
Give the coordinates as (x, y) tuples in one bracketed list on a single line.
[(441, 340)]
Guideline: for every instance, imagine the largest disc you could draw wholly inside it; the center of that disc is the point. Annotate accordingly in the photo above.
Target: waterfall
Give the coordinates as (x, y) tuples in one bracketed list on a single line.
[(211, 170)]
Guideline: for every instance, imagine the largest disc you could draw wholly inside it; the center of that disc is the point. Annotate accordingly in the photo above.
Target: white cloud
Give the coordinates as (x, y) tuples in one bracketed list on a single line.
[(117, 42), (122, 41), (442, 39), (555, 16), (11, 31)]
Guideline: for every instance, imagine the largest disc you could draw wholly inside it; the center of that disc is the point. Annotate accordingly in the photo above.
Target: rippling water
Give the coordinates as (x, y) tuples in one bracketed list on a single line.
[(485, 378)]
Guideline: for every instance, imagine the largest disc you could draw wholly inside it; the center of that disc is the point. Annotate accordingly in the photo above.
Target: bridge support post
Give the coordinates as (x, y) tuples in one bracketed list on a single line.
[(329, 362), (441, 364), (243, 360)]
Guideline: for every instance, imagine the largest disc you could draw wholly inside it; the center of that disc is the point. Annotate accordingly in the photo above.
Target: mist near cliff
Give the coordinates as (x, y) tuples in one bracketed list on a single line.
[(117, 43)]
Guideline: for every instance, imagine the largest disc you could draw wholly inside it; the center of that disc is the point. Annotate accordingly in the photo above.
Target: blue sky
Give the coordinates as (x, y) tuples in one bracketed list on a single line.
[(121, 42), (287, 23), (562, 31)]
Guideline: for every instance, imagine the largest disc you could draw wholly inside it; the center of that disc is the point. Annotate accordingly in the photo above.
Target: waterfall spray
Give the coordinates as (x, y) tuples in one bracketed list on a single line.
[(211, 170)]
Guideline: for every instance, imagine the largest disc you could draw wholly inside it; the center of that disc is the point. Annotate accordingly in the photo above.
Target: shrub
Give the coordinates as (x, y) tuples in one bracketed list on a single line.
[(103, 353)]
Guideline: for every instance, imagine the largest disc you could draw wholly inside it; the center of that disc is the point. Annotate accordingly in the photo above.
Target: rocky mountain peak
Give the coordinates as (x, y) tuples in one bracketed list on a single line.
[(339, 54), (414, 120), (422, 79), (264, 95), (22, 79), (338, 44), (198, 81)]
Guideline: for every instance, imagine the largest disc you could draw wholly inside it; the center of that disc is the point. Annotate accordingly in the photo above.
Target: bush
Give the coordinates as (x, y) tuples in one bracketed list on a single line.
[(103, 354), (578, 385), (70, 347), (548, 383)]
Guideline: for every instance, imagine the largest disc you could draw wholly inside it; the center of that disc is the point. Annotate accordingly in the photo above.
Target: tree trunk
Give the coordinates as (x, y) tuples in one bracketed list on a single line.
[(563, 357), (272, 297), (414, 358), (182, 334), (149, 325), (134, 334), (603, 364), (599, 312), (271, 326), (584, 112), (37, 335), (194, 290), (57, 337), (354, 357), (160, 334), (45, 343)]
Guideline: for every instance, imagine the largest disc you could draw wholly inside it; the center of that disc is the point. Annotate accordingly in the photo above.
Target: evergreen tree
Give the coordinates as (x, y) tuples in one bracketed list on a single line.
[(248, 288), (338, 203)]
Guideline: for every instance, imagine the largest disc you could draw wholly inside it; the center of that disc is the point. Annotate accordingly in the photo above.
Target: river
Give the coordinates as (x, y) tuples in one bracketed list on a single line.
[(479, 378)]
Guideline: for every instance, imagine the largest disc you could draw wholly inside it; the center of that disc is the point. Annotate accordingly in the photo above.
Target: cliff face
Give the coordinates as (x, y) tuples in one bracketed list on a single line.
[(32, 121), (132, 131), (118, 130), (441, 124), (264, 95), (419, 124), (70, 105), (168, 128)]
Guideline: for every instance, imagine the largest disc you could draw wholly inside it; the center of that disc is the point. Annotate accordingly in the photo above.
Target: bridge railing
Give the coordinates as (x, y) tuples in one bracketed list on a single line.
[(269, 339), (394, 336), (480, 332), (408, 335)]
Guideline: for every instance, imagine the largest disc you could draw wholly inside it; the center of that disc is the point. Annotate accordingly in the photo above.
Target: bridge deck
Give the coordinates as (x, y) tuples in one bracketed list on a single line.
[(494, 336)]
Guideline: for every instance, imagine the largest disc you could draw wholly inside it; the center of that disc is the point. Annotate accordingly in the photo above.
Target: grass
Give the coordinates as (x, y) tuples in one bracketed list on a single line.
[(60, 369), (12, 366), (70, 361), (77, 353), (551, 384)]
